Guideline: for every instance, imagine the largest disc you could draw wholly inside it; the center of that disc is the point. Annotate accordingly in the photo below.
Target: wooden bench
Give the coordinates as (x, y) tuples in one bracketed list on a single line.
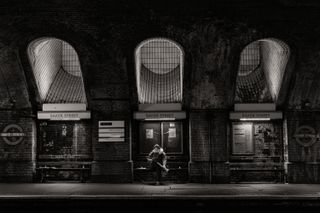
[(45, 170), (256, 169), (278, 173), (170, 169), (141, 172)]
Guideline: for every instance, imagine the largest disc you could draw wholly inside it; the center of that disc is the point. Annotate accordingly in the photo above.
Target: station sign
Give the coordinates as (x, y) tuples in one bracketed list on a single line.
[(159, 115), (306, 136), (63, 116), (255, 115), (12, 134)]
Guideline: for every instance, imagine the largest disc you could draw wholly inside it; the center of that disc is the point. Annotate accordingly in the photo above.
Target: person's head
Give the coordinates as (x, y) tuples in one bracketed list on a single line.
[(156, 148)]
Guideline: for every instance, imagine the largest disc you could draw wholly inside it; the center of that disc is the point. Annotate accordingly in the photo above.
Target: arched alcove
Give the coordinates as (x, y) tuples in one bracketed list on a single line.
[(257, 126), (63, 134), (56, 68), (159, 71), (261, 70)]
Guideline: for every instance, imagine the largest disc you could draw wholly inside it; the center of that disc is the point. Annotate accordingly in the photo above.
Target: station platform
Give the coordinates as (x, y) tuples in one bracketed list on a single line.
[(167, 197)]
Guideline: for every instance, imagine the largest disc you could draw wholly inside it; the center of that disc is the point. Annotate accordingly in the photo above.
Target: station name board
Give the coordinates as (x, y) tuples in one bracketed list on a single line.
[(62, 116), (159, 115), (255, 115), (244, 115)]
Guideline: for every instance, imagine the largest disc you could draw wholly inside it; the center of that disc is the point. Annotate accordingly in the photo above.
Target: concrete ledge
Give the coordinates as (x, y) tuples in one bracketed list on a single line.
[(303, 173), (17, 179)]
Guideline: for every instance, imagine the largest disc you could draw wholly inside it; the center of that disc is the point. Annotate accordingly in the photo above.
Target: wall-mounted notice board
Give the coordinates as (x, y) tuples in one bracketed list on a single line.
[(111, 131), (242, 139)]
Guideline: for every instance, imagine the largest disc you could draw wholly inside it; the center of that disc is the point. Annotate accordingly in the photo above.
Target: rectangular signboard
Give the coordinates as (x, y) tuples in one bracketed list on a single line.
[(254, 107), (159, 115), (242, 139), (111, 135), (63, 116), (111, 124), (111, 131), (256, 115), (160, 107), (64, 107), (111, 139)]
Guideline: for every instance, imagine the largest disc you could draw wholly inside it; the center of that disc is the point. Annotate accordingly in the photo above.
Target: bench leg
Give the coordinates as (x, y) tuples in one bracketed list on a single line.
[(43, 176), (82, 177)]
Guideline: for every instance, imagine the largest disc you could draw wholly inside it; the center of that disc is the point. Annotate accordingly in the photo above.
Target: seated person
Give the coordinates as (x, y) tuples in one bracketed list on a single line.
[(158, 160)]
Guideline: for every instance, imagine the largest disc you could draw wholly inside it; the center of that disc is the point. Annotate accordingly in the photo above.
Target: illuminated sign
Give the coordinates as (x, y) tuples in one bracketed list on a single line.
[(159, 115), (63, 116), (255, 115), (64, 107), (111, 131)]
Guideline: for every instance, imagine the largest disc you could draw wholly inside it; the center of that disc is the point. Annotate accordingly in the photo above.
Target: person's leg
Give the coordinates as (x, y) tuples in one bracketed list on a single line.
[(154, 169), (158, 170)]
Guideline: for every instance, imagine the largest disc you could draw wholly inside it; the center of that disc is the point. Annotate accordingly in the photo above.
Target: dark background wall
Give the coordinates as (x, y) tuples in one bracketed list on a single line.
[(266, 162), (212, 34), (17, 161)]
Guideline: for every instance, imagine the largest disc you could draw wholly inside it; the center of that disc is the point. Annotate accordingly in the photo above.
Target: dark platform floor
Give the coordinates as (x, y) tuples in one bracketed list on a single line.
[(91, 197)]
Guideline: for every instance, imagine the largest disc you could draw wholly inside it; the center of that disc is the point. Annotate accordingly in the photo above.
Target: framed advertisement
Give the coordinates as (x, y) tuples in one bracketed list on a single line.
[(172, 137), (242, 139), (111, 131)]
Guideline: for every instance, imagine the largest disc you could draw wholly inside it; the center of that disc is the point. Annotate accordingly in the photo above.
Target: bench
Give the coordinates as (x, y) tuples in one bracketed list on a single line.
[(256, 169), (170, 169), (46, 170), (179, 174), (238, 173)]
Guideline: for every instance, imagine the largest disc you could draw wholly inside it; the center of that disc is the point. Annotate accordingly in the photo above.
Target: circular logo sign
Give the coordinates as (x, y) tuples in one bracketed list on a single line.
[(12, 134), (305, 136)]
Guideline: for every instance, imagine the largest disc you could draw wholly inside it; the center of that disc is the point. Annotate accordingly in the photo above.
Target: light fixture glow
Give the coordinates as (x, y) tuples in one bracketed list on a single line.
[(254, 119), (65, 119), (159, 119)]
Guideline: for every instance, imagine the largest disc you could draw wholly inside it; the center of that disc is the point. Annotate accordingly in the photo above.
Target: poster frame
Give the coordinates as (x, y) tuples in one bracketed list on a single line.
[(251, 141)]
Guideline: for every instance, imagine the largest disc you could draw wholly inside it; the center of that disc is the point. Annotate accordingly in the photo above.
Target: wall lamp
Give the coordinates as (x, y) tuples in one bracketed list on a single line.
[(159, 119), (254, 119)]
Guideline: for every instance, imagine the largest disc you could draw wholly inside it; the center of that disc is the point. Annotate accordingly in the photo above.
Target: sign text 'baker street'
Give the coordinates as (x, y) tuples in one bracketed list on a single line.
[(59, 116), (63, 115), (159, 115), (255, 115)]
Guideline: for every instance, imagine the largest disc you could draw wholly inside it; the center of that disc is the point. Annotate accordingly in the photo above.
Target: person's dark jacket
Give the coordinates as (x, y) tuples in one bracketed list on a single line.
[(159, 157)]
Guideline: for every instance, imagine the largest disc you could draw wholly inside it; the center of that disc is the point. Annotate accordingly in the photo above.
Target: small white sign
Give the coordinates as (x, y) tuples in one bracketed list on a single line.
[(111, 131), (112, 124), (111, 135), (149, 133), (172, 133), (111, 139)]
